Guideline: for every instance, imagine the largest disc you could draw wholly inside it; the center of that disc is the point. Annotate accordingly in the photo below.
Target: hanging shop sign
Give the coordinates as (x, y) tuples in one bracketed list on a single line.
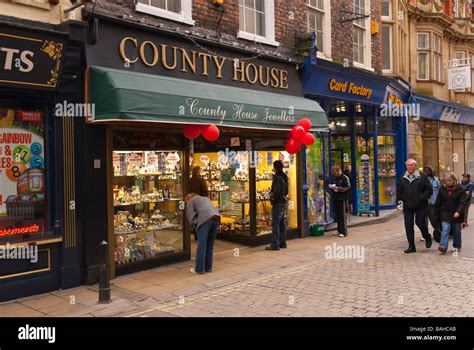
[(29, 60), (459, 78)]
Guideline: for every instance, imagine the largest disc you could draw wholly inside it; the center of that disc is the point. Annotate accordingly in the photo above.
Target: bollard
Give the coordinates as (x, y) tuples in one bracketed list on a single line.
[(104, 277)]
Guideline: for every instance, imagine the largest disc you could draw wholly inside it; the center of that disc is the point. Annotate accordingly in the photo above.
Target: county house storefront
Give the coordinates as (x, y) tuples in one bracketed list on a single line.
[(144, 96), (367, 123)]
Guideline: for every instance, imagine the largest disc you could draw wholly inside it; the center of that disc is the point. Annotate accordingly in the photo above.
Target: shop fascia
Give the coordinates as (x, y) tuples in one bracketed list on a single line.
[(175, 58)]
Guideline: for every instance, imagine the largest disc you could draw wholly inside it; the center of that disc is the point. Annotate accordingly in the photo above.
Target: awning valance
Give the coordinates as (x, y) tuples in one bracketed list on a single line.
[(120, 95)]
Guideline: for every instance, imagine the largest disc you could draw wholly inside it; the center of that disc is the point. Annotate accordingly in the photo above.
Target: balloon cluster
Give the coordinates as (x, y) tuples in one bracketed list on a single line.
[(299, 135), (209, 132)]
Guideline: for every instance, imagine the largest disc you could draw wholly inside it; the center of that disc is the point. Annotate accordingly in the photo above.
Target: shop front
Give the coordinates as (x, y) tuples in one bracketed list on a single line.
[(366, 139), (443, 136), (34, 256), (144, 97)]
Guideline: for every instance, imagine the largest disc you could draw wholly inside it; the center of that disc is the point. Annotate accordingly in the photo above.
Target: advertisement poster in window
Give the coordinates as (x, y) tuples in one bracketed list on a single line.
[(22, 172)]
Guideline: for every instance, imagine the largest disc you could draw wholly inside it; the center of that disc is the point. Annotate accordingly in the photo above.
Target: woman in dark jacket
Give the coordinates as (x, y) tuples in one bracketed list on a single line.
[(449, 210), (198, 184)]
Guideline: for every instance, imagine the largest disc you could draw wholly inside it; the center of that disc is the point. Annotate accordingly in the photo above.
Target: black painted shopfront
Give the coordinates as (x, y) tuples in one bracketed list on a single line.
[(147, 85), (40, 66)]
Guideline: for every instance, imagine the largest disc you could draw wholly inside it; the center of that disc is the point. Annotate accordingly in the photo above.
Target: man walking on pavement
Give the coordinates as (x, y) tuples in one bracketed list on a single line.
[(413, 191), (341, 187), (436, 184), (279, 201)]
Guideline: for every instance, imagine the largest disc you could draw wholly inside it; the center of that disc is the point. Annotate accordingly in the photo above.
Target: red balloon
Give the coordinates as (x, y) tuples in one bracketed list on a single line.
[(292, 146), (297, 132), (210, 132), (308, 139), (305, 123), (192, 131)]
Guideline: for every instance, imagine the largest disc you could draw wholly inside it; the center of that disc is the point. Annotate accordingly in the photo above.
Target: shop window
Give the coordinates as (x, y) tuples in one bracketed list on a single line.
[(339, 124), (268, 151), (148, 194), (384, 123), (446, 164), (365, 178), (22, 173), (430, 154), (319, 21), (430, 127), (458, 156), (387, 169), (227, 178), (175, 10), (316, 182), (257, 21), (341, 151)]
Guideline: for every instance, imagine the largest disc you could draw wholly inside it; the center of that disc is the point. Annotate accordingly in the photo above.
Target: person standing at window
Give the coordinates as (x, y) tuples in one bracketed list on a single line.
[(279, 202), (340, 188), (198, 184)]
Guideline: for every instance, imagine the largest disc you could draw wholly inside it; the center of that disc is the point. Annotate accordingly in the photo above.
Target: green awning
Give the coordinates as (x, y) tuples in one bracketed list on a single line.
[(120, 95)]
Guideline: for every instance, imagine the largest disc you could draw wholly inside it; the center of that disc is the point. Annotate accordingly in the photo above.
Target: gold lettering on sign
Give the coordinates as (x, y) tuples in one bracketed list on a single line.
[(239, 70), (122, 49), (219, 65), (247, 73), (204, 62), (260, 71), (187, 61), (274, 74), (164, 59), (283, 79), (155, 54)]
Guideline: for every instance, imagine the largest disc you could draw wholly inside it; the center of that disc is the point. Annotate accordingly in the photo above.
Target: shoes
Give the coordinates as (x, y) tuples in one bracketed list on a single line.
[(272, 248), (457, 250), (422, 239), (341, 235), (335, 233), (283, 246), (429, 243), (442, 249), (410, 250), (208, 271), (198, 273)]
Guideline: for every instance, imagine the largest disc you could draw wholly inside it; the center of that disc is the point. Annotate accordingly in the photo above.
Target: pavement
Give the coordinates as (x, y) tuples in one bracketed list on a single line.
[(365, 274)]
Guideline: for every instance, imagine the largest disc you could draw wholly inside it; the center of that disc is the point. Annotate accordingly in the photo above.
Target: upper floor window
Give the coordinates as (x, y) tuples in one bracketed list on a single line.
[(257, 21), (361, 34), (460, 56), (459, 9), (423, 46), (387, 9), (175, 10), (437, 58), (387, 37), (319, 21)]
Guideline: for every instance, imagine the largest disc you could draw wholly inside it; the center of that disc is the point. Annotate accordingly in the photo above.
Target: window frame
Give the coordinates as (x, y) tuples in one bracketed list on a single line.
[(269, 38), (185, 15), (367, 47), (423, 51), (326, 52), (391, 43), (438, 55)]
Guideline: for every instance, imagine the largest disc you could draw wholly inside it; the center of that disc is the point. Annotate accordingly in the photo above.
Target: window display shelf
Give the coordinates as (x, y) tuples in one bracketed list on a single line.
[(138, 203), (144, 232)]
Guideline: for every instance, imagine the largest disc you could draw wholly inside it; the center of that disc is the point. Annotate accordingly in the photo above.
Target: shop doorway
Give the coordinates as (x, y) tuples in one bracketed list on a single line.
[(337, 158)]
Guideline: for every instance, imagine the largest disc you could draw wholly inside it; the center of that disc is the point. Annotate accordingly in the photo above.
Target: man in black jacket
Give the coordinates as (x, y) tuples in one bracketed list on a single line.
[(413, 191), (340, 187), (279, 201)]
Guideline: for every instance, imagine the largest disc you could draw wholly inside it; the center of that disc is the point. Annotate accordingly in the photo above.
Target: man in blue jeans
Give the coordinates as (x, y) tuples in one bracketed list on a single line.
[(279, 202), (204, 219)]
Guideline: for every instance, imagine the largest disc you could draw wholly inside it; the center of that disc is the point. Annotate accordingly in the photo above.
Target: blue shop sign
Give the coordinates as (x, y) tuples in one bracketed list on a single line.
[(432, 108), (341, 86)]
